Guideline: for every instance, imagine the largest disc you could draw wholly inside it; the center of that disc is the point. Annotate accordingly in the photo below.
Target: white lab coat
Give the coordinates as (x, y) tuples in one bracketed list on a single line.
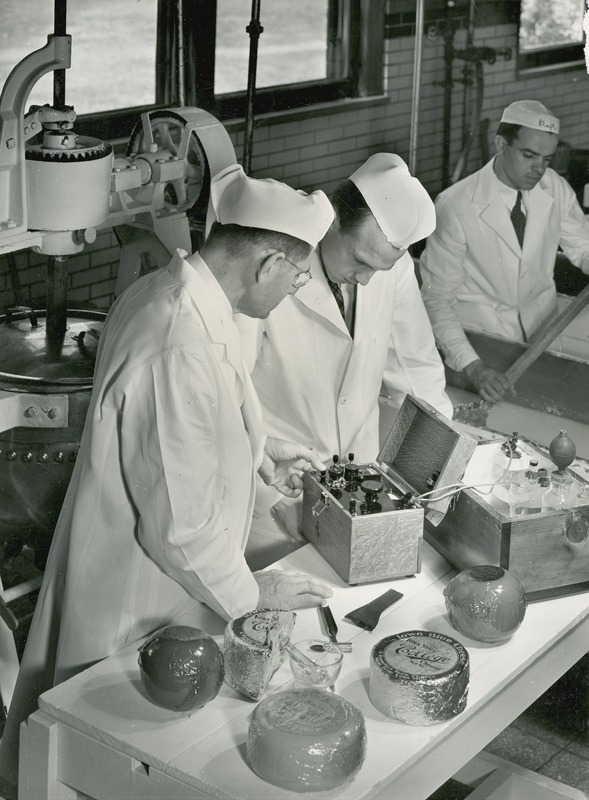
[(320, 387), (157, 514), (476, 275)]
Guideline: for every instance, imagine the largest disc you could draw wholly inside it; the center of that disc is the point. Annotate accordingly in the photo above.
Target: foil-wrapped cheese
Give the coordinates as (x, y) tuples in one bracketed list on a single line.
[(419, 677), (254, 648), (306, 740)]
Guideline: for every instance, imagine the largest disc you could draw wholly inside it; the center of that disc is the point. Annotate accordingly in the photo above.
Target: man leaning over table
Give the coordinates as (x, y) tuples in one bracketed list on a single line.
[(156, 518), (320, 358)]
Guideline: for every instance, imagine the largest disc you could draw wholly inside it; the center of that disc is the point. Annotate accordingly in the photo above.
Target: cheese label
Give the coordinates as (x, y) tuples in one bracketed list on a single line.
[(305, 712), (255, 627), (419, 654)]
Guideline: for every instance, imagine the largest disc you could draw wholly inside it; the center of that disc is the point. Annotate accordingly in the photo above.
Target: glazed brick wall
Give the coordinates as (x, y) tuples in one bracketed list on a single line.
[(320, 145)]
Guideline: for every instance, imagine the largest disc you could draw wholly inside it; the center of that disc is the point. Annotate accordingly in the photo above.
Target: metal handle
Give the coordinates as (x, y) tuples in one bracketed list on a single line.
[(321, 504), (24, 311), (329, 622)]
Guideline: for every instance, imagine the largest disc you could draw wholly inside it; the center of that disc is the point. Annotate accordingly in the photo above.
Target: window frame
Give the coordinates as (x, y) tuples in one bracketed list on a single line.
[(355, 46), (549, 58)]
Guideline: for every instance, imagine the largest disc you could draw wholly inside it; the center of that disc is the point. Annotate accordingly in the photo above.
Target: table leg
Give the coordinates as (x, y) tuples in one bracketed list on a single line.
[(39, 749)]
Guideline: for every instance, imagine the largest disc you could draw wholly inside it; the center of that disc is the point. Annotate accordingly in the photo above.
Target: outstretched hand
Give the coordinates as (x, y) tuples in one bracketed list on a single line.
[(288, 590), (491, 384), (283, 465)]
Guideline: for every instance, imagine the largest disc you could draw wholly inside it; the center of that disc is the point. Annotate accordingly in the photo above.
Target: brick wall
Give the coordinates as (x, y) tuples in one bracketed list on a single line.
[(320, 145)]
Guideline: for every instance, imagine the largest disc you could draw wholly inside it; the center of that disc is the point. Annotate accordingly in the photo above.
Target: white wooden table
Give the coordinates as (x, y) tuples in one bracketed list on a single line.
[(98, 736)]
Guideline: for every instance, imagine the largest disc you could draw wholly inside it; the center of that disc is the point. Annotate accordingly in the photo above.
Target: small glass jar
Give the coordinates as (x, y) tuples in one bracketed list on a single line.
[(583, 494), (560, 493)]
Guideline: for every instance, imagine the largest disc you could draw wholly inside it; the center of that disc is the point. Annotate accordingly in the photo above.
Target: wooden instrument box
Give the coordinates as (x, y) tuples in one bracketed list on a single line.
[(548, 552), (423, 449)]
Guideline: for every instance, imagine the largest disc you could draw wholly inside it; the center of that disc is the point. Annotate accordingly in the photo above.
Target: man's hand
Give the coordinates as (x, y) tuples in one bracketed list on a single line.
[(289, 515), (288, 590), (284, 463), (489, 383)]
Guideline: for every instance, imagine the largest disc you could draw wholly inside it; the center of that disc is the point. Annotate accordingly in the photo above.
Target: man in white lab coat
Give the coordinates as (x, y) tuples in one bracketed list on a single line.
[(156, 518), (476, 273), (318, 371)]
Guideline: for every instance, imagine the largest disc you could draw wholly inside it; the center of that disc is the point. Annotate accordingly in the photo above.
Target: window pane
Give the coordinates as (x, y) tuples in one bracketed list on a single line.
[(546, 23), (113, 50), (291, 49)]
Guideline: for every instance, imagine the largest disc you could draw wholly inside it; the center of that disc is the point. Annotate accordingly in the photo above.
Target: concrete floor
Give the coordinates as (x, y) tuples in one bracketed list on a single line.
[(551, 737)]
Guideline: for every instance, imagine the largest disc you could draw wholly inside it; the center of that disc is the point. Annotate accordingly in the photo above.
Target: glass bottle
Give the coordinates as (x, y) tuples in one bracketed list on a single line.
[(583, 494), (559, 493)]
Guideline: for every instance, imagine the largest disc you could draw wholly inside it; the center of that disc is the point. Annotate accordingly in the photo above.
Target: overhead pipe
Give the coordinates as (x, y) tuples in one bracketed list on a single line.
[(417, 61), (255, 30)]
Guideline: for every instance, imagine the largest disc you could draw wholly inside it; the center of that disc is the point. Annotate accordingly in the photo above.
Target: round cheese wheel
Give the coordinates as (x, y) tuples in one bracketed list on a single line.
[(419, 677), (181, 668), (254, 648), (306, 740)]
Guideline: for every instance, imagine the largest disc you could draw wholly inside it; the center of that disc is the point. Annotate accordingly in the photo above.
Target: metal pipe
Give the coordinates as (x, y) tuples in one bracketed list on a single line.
[(448, 59), (59, 29), (417, 60), (181, 81), (56, 303), (473, 130), (467, 74), (254, 29)]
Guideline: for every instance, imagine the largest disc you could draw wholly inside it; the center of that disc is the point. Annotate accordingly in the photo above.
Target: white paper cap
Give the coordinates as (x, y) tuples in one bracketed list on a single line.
[(401, 206), (531, 114), (265, 203)]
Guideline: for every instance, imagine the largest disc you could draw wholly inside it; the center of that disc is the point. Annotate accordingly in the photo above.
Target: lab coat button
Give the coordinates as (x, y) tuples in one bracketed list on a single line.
[(343, 401)]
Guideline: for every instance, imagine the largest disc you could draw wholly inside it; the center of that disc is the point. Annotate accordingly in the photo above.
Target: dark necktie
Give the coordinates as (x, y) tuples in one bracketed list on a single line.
[(335, 287), (519, 219), (337, 293)]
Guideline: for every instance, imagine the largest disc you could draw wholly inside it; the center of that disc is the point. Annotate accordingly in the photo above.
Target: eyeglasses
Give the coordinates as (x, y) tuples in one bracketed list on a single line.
[(303, 276)]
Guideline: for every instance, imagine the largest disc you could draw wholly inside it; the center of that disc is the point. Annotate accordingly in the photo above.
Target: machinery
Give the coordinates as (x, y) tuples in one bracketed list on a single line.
[(56, 190)]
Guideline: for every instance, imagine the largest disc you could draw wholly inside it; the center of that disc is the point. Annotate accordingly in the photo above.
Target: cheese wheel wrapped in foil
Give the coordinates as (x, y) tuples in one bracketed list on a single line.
[(254, 648), (306, 740), (419, 677)]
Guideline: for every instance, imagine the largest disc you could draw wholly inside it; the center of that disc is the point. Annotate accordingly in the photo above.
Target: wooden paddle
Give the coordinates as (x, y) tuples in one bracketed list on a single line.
[(476, 413)]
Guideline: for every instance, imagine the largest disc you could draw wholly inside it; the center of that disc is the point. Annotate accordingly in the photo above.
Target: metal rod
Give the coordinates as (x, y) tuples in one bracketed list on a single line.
[(467, 75), (59, 29), (417, 59), (448, 58), (254, 29), (181, 81), (26, 587), (56, 302)]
